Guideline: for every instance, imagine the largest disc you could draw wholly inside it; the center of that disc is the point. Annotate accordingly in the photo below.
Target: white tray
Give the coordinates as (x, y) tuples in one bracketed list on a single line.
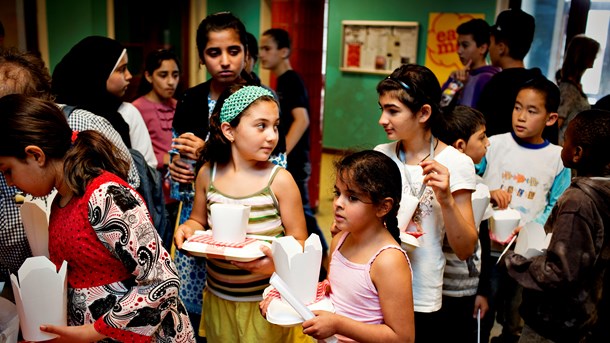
[(249, 252)]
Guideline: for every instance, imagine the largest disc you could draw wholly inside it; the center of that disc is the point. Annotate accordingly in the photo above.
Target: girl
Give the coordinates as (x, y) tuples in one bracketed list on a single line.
[(409, 100), (157, 105), (367, 262), (236, 169), (93, 76), (121, 282)]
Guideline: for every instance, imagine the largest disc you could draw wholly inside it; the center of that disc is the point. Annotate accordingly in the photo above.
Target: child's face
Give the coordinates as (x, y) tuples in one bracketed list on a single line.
[(27, 175), (477, 144), (256, 135), (469, 51), (353, 209), (569, 149), (269, 54), (119, 79), (530, 116), (224, 56), (165, 79), (397, 119)]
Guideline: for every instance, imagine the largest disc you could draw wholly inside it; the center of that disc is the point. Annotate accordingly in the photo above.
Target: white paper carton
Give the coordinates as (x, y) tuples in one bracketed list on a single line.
[(298, 266), (35, 218), (480, 203), (9, 322), (503, 223), (41, 296), (532, 240)]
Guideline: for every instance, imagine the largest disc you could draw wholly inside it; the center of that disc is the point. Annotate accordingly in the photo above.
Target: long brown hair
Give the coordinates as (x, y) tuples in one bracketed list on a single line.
[(28, 121), (581, 52)]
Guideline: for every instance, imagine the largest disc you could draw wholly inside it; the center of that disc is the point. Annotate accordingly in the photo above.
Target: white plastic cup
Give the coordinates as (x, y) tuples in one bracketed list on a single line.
[(229, 222)]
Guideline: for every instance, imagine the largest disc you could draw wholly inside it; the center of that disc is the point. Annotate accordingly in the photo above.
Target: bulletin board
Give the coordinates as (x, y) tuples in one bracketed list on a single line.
[(377, 47)]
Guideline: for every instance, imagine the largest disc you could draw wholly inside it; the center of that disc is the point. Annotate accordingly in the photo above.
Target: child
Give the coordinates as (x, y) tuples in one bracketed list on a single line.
[(409, 100), (157, 105), (221, 41), (367, 262), (236, 169), (566, 289), (524, 170), (121, 282), (466, 283), (473, 45), (93, 76)]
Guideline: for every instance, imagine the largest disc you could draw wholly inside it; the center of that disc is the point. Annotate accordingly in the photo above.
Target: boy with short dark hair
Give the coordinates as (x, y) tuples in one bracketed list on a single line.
[(466, 283), (525, 171), (473, 45), (566, 291)]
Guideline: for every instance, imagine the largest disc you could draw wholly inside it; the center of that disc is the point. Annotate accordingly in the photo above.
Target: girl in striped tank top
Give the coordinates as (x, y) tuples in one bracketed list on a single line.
[(235, 169)]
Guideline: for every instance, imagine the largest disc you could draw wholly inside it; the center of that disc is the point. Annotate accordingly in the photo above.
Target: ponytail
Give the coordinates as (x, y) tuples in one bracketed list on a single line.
[(391, 222), (89, 156)]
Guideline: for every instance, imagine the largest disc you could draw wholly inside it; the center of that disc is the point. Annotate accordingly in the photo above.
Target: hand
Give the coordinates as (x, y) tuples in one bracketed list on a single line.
[(183, 232), (263, 265), (264, 305), (321, 326), (181, 171), (334, 229), (83, 333), (500, 198), (189, 145), (480, 302), (436, 176), (462, 74)]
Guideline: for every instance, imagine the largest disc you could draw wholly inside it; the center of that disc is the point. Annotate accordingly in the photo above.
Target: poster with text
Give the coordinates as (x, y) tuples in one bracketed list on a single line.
[(441, 47)]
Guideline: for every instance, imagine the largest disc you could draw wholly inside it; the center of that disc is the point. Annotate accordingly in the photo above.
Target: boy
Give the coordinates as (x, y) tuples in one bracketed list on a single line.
[(524, 170), (566, 290), (294, 113), (473, 45), (466, 283)]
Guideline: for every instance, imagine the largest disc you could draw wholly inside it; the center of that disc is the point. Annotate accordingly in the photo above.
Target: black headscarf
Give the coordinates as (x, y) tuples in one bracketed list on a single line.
[(79, 79)]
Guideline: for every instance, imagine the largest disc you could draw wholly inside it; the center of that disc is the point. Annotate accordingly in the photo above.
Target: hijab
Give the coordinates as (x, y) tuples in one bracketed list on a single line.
[(79, 79)]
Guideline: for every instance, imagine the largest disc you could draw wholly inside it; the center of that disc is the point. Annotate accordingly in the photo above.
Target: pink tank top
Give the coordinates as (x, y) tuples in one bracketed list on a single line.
[(353, 292)]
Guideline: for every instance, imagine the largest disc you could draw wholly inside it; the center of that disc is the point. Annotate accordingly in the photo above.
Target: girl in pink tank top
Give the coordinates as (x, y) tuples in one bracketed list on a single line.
[(370, 275)]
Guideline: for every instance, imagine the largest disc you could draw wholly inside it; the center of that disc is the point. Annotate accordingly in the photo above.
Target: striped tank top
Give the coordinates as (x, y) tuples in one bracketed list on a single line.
[(224, 279)]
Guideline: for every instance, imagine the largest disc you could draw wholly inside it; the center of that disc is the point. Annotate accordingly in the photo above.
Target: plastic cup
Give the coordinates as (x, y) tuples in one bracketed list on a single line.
[(229, 222)]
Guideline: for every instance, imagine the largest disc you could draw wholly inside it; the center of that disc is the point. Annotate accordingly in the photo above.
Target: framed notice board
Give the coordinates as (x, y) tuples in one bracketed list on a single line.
[(377, 47)]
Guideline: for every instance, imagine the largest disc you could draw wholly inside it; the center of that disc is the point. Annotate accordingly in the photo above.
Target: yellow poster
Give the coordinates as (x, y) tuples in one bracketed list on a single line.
[(441, 47)]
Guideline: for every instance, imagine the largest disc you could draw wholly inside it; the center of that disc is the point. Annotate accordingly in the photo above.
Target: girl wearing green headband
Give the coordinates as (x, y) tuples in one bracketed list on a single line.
[(236, 169)]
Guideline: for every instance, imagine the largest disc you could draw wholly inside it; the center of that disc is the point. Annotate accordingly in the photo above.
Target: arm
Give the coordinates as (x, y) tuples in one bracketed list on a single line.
[(389, 269), (137, 245), (298, 127), (199, 215), (138, 133), (560, 184), (456, 208)]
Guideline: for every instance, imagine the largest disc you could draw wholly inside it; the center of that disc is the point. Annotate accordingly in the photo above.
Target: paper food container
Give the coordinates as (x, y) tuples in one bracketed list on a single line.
[(35, 217), (532, 240), (503, 223), (9, 322), (41, 296), (298, 266)]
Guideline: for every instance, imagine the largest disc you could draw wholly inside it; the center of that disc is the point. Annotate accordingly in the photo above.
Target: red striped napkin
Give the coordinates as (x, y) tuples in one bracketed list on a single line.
[(209, 240), (320, 292)]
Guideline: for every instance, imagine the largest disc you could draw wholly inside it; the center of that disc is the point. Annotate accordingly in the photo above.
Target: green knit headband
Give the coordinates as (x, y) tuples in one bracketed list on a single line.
[(238, 101)]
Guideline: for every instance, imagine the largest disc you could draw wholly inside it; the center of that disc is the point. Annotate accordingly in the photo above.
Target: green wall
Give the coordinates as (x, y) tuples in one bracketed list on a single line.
[(351, 111), (69, 21)]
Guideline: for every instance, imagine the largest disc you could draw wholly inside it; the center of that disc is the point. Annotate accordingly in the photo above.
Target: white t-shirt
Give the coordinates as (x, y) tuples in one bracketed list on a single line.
[(138, 132), (428, 261), (527, 172)]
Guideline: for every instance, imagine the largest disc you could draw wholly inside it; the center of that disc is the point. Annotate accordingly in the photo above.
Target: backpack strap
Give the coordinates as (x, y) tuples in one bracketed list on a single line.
[(68, 109)]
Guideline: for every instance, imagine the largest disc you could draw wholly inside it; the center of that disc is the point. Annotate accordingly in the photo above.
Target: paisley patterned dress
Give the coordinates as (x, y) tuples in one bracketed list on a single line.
[(120, 278)]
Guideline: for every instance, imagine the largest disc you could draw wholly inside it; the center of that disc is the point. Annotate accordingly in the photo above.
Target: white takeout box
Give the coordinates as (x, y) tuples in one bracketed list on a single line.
[(35, 217), (229, 222), (9, 322), (532, 240), (41, 296), (504, 222), (299, 267)]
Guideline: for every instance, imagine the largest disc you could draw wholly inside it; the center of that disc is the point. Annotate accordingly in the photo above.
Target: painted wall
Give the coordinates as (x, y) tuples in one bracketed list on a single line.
[(351, 111), (69, 21)]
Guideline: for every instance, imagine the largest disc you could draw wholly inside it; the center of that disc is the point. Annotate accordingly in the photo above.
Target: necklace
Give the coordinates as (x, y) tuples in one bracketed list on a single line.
[(402, 157)]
